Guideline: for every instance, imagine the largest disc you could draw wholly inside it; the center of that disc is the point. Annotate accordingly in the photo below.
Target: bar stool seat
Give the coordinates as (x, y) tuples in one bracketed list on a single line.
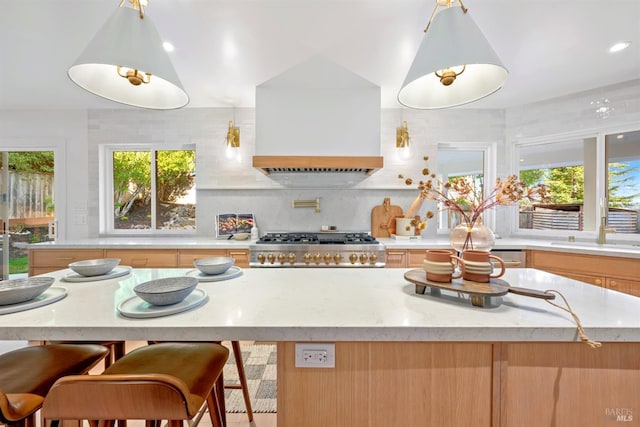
[(165, 381), (27, 374)]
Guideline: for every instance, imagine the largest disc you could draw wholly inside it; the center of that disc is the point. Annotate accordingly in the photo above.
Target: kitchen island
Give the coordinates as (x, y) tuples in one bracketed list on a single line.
[(401, 358)]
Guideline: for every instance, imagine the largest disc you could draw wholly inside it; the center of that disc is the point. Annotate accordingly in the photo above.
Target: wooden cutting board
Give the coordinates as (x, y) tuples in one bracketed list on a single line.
[(383, 217), (476, 291)]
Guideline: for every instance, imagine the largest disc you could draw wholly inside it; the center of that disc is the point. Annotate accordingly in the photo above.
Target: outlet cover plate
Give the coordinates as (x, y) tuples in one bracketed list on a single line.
[(315, 355)]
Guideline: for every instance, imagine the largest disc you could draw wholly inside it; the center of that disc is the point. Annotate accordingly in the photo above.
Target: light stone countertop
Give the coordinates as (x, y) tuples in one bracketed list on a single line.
[(200, 242), (578, 247), (136, 242), (330, 304)]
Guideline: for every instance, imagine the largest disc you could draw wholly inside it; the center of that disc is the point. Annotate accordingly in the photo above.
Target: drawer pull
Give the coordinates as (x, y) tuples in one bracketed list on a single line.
[(508, 264), (614, 283), (65, 258), (598, 282), (138, 262)]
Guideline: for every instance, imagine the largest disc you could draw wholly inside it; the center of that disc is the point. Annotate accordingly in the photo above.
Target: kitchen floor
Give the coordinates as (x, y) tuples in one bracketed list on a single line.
[(233, 420)]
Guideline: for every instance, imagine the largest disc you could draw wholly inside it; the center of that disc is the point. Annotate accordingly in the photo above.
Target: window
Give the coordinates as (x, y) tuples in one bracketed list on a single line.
[(469, 162), (622, 151), (151, 190), (568, 170)]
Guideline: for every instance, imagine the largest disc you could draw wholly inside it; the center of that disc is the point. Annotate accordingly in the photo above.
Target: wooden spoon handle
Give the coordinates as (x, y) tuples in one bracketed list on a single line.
[(531, 292)]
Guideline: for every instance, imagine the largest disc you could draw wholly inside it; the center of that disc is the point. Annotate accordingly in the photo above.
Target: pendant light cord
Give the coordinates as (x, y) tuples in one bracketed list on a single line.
[(136, 5), (448, 4)]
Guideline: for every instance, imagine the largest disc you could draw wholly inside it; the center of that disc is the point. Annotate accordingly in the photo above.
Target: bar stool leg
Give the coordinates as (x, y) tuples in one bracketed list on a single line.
[(235, 345)]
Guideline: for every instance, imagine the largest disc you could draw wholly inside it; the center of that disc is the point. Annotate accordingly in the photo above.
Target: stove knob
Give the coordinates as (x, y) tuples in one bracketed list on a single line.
[(353, 258), (337, 258), (271, 258), (281, 258), (373, 258), (307, 258), (317, 257), (327, 258), (363, 258), (261, 258), (291, 257)]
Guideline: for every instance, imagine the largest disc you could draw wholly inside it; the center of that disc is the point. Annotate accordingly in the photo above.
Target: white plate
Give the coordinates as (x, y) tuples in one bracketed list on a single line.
[(138, 308), (51, 295), (119, 271), (229, 274)]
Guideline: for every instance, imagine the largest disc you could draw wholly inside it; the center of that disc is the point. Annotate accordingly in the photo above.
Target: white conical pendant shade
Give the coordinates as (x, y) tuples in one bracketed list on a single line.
[(452, 40), (131, 42)]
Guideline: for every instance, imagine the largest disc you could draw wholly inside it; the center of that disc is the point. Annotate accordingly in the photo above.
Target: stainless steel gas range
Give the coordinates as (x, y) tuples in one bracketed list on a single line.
[(324, 249)]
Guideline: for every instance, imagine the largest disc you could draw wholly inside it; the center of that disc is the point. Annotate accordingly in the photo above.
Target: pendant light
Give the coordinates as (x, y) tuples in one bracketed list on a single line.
[(454, 65), (126, 62)]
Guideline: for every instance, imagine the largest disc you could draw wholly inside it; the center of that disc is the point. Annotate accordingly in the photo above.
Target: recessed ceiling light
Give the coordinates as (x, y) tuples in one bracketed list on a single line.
[(620, 136), (167, 46), (619, 46)]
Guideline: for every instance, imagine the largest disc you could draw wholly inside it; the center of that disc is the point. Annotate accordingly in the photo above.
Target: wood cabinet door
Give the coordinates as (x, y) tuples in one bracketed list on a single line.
[(187, 256), (631, 287), (415, 258), (396, 259), (61, 257), (241, 256), (150, 258), (47, 260), (383, 384), (592, 280), (569, 384)]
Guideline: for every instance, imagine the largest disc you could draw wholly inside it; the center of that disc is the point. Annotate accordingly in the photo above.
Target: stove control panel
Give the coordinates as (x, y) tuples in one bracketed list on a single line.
[(362, 256)]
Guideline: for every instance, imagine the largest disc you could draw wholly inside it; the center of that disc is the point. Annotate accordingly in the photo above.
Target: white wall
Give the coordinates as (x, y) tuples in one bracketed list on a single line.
[(227, 186), (230, 186)]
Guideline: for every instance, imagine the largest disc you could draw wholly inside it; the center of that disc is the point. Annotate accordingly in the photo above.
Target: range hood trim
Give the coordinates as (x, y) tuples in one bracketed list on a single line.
[(363, 164)]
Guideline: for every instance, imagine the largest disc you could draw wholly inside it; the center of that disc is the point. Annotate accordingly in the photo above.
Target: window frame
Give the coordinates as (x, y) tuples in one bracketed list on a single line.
[(106, 190), (489, 151), (601, 183)]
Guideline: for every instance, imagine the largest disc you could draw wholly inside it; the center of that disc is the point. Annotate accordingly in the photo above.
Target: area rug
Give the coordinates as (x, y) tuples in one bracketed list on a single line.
[(260, 370)]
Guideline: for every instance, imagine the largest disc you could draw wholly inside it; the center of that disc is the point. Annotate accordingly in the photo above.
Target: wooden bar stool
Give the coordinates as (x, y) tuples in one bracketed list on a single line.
[(27, 374), (244, 385), (166, 381), (116, 348)]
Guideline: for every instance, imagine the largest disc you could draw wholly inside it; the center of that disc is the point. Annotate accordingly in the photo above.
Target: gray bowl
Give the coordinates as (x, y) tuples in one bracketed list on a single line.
[(15, 291), (167, 291), (94, 267), (214, 265)]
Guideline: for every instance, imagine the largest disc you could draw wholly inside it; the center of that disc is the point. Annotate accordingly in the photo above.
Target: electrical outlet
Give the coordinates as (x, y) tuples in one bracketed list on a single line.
[(315, 355)]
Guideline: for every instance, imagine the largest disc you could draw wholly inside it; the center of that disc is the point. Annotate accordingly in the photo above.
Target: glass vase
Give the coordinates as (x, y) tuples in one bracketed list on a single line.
[(472, 236)]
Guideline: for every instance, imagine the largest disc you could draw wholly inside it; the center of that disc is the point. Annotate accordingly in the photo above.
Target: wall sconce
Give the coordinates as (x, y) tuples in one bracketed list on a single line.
[(233, 141), (125, 62), (454, 65), (402, 141)]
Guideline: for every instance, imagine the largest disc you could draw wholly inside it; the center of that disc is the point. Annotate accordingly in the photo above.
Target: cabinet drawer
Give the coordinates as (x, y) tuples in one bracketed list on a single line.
[(630, 287), (61, 258), (145, 259), (187, 256), (241, 256), (396, 259)]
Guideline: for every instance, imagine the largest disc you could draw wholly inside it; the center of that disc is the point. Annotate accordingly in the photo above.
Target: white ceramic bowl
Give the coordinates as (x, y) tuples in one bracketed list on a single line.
[(214, 265), (94, 267), (241, 236), (167, 291), (15, 291)]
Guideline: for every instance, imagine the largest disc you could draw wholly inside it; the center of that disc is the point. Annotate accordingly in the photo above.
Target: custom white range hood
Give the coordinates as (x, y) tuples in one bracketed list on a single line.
[(318, 117)]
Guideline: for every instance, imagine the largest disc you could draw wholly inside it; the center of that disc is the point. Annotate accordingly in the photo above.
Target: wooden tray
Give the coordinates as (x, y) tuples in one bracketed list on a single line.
[(480, 293)]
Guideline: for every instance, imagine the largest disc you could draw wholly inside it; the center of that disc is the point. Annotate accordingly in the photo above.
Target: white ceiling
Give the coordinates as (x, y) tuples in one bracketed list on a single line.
[(224, 48)]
